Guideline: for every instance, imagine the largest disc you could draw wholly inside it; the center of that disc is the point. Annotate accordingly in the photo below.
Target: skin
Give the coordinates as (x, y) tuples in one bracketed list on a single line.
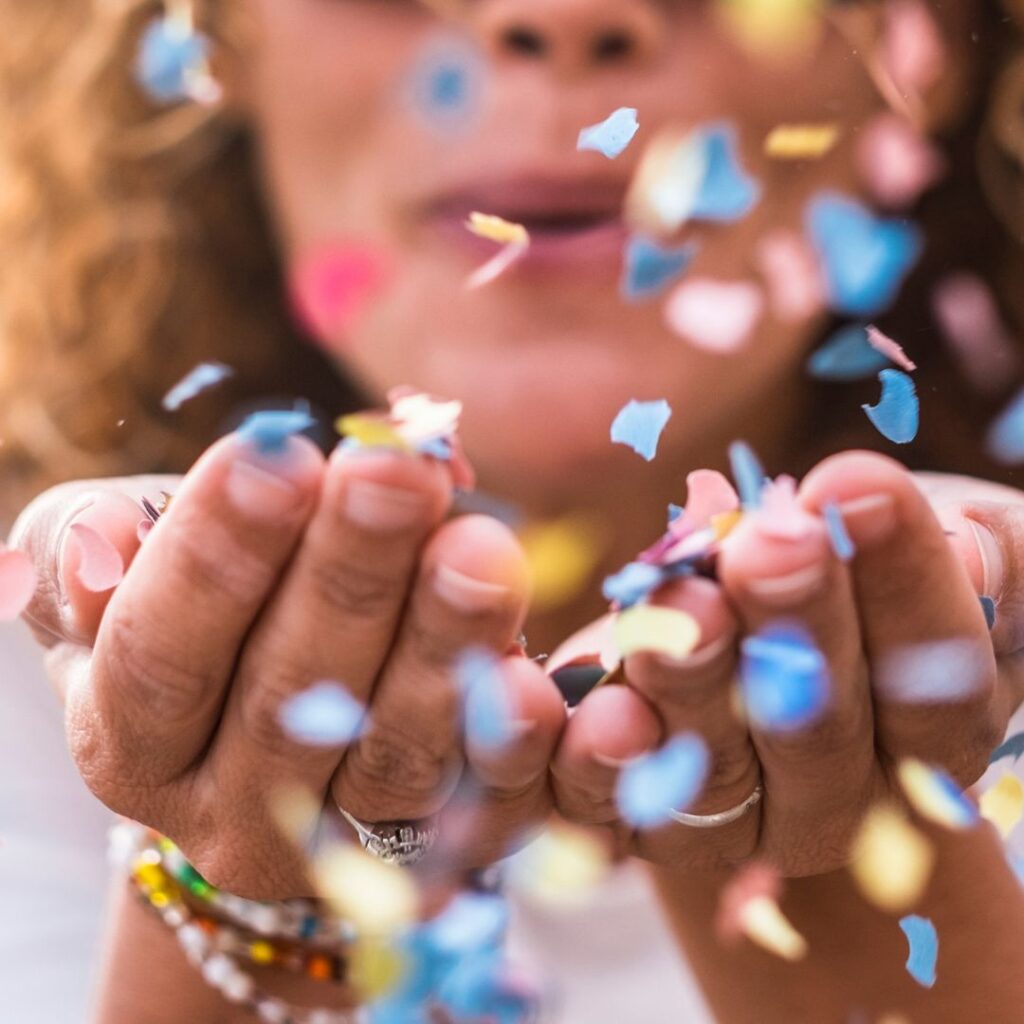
[(347, 568)]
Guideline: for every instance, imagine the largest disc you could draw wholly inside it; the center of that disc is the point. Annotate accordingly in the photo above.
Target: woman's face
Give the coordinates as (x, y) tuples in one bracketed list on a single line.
[(544, 356)]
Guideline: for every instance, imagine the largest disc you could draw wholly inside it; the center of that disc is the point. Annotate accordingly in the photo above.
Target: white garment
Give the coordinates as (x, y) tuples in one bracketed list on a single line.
[(610, 963)]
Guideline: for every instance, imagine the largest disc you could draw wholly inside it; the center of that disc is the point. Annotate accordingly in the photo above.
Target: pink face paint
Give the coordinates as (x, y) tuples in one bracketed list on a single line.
[(792, 275), (100, 567), (896, 161), (717, 316), (18, 581), (330, 286)]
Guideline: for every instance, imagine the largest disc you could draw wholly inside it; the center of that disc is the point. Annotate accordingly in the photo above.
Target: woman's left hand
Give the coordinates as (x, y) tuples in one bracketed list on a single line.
[(914, 582)]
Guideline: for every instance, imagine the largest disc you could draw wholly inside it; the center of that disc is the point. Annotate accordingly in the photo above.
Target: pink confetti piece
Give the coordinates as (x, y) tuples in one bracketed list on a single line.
[(18, 582), (716, 316), (101, 567), (896, 161), (913, 52), (331, 285), (890, 349), (967, 313), (779, 515), (787, 263), (754, 881), (708, 493), (505, 258)]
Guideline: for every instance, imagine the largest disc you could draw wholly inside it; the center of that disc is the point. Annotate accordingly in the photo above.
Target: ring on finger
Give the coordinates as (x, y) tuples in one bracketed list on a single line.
[(726, 817), (395, 842)]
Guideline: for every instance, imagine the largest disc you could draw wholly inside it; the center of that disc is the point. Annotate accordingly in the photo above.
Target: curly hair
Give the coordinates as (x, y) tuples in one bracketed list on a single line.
[(135, 243)]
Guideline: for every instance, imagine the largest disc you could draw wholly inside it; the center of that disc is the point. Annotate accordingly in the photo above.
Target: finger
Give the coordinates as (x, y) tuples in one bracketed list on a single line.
[(173, 629), (611, 725), (62, 609), (471, 591), (933, 669), (516, 791), (333, 617)]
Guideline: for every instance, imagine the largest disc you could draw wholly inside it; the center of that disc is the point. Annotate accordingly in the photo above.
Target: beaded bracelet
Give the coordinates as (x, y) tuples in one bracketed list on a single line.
[(299, 920), (203, 943)]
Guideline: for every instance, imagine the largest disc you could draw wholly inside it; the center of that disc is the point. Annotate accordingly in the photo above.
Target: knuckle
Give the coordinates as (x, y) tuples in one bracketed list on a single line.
[(260, 713), (212, 557), (431, 648), (393, 764), (355, 590)]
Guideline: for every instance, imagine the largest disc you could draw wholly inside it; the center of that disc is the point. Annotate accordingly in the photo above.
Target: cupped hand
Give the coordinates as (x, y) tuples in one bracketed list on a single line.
[(270, 572), (883, 621)]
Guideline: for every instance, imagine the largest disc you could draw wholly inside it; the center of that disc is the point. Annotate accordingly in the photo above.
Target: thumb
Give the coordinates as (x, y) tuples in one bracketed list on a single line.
[(64, 608)]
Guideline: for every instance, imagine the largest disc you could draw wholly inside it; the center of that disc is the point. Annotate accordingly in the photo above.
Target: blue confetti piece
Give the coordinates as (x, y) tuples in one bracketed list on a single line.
[(649, 268), (837, 534), (612, 135), (471, 921), (865, 258), (965, 813), (653, 785), (727, 192), (924, 948), (325, 715), (269, 429), (1012, 747), (631, 584), (988, 608), (445, 84), (674, 512), (1016, 862), (784, 679), (1005, 439), (846, 355), (747, 474), (486, 706), (897, 414), (204, 376), (168, 53), (639, 425)]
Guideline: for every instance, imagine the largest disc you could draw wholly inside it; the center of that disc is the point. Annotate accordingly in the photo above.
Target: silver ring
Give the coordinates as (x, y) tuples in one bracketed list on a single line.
[(722, 817), (395, 842)]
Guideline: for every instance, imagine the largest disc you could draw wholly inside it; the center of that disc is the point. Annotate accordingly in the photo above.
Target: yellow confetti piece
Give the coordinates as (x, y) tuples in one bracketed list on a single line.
[(800, 141), (773, 27), (379, 898), (561, 866), (497, 229), (374, 969), (1003, 804), (929, 797), (723, 523), (371, 431), (891, 860), (646, 627), (764, 923), (296, 812), (562, 554)]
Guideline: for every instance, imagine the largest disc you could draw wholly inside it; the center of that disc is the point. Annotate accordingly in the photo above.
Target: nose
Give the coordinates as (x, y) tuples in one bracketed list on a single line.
[(572, 37)]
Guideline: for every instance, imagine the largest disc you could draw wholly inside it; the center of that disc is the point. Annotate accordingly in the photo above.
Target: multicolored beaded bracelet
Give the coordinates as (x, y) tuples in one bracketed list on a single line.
[(204, 945), (298, 920)]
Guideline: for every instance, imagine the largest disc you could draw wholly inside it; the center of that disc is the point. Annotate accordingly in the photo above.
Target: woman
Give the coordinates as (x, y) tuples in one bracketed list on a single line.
[(165, 239)]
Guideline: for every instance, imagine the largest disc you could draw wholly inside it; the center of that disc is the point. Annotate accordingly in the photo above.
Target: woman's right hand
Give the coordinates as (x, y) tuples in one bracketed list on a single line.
[(266, 574)]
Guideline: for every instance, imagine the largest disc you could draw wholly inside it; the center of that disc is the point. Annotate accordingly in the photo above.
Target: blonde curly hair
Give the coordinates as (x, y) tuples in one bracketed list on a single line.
[(134, 244)]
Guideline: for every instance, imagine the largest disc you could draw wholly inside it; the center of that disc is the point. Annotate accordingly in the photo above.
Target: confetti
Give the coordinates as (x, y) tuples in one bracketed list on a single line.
[(330, 286), (932, 673), (784, 679), (988, 608), (1003, 804), (838, 536), (269, 429), (883, 344), (780, 515), (649, 268), (562, 555), (204, 376), (325, 715), (749, 906), (638, 425), (727, 192), (773, 28), (469, 921), (934, 795), (664, 188), (632, 583), (1012, 747), (379, 898), (717, 316), (561, 866), (864, 258), (924, 948), (795, 287), (173, 62), (489, 713), (896, 161), (653, 785), (912, 49), (649, 628), (1005, 438), (891, 861), (101, 567), (708, 494), (897, 414), (445, 84), (18, 582), (612, 135), (748, 474), (514, 238), (846, 355), (800, 141)]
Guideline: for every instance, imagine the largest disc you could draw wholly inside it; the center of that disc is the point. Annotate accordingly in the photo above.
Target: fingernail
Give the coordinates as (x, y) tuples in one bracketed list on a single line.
[(790, 589), (869, 519), (466, 593), (62, 550), (991, 556), (700, 657), (381, 508), (259, 491), (607, 761)]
